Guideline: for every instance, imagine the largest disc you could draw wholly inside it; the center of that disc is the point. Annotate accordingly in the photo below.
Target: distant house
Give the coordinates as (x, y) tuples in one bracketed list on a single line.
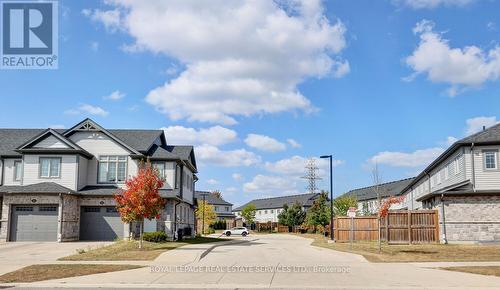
[(268, 209), (222, 208), (368, 196)]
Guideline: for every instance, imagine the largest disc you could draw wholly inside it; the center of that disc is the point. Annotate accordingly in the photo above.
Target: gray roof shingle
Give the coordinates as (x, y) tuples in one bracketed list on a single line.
[(305, 200), (210, 198), (43, 187), (385, 189), (98, 190)]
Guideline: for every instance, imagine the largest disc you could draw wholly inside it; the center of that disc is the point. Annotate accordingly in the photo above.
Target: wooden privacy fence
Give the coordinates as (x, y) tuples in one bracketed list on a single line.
[(413, 226)]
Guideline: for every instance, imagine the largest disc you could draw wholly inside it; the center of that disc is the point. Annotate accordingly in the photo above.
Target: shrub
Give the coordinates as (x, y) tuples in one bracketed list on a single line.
[(155, 237)]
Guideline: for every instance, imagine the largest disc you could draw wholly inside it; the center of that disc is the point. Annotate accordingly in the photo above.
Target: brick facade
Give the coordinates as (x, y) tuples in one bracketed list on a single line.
[(470, 218)]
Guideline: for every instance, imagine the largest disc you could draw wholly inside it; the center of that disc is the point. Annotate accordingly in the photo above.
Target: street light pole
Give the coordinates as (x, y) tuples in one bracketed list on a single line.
[(331, 193), (203, 215)]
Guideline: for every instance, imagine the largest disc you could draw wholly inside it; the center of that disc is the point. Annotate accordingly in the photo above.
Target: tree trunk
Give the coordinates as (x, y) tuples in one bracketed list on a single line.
[(141, 231)]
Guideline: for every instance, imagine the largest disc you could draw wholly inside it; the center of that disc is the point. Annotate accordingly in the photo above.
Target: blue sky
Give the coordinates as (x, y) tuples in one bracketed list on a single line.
[(386, 82)]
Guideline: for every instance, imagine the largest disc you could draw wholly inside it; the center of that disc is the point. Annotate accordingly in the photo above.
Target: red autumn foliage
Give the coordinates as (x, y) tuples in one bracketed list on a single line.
[(141, 200), (386, 205)]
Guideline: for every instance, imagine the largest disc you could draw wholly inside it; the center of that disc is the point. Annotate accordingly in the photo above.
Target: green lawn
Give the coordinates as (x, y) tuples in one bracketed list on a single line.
[(129, 250), (413, 253)]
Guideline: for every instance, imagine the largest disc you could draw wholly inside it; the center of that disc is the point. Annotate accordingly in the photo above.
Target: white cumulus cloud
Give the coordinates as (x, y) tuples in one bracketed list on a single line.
[(264, 143), (429, 4), (237, 177), (114, 96), (241, 58), (271, 185), (87, 109), (461, 68), (293, 143), (212, 155), (216, 135), (476, 124), (418, 158)]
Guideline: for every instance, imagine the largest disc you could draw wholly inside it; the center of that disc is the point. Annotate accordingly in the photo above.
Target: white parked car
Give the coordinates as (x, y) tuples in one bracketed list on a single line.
[(236, 231)]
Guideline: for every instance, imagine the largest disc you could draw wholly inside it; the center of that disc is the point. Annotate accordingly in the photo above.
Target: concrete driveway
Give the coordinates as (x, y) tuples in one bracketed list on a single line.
[(16, 255), (276, 261)]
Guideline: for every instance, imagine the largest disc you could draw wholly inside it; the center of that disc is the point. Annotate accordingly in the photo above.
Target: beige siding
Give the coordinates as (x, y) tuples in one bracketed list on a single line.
[(187, 193), (99, 144), (50, 142), (82, 172), (67, 175), (9, 172), (454, 177), (170, 175), (486, 179)]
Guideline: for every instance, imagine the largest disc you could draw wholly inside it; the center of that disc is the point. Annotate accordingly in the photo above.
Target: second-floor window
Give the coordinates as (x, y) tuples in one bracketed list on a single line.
[(18, 169), (490, 159), (227, 208), (216, 208), (160, 166), (112, 169), (50, 167)]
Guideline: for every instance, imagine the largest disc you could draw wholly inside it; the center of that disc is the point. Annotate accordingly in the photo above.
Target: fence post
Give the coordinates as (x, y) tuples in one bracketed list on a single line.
[(387, 227), (409, 227), (436, 224)]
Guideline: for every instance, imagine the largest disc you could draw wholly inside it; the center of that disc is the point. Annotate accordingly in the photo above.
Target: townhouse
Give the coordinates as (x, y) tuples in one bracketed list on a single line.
[(367, 197), (222, 208), (58, 185), (463, 184), (268, 209)]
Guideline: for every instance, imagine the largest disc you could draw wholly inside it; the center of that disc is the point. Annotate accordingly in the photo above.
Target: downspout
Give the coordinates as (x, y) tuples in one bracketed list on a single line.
[(181, 189), (61, 198), (3, 169), (445, 240), (473, 168)]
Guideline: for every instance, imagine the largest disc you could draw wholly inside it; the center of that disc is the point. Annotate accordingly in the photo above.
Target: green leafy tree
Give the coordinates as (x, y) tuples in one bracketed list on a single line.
[(319, 213), (248, 213), (342, 203), (292, 216)]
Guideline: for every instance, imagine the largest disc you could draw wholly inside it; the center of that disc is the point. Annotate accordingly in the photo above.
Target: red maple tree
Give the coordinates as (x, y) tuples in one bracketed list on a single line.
[(384, 209), (141, 199)]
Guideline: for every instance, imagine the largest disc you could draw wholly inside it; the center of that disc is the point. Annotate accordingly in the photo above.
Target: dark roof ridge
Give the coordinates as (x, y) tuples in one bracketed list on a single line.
[(284, 196), (381, 184)]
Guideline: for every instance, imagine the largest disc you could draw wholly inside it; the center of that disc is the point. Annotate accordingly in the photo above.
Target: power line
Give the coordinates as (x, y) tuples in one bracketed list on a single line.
[(311, 175)]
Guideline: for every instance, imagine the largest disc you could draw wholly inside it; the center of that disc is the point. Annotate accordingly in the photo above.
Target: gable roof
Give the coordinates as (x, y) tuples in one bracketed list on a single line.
[(166, 152), (140, 142), (386, 189), (28, 147), (210, 198), (89, 125), (488, 136), (305, 200)]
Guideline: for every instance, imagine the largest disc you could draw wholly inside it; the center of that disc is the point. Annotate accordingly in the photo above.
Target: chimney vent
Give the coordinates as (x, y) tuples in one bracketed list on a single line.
[(484, 128)]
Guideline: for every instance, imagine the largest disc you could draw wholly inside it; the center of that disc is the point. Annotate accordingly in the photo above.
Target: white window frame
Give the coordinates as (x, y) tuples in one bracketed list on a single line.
[(108, 161), (438, 177), (446, 172), (457, 165), (18, 165), (495, 159), (50, 173), (163, 172)]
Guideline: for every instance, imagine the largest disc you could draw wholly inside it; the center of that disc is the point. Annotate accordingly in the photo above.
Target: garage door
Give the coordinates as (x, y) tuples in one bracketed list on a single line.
[(34, 223), (100, 223)]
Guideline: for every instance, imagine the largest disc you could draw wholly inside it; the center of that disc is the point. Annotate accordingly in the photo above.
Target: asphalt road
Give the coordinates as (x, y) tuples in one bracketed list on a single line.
[(275, 261)]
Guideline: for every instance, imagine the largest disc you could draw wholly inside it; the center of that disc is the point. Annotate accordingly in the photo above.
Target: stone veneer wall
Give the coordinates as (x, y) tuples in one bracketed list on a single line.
[(470, 218), (69, 232)]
